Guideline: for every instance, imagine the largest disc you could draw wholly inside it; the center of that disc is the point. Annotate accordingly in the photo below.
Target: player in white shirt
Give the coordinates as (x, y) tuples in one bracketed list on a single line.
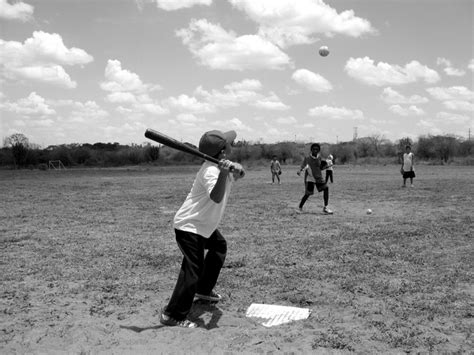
[(408, 166), (195, 226)]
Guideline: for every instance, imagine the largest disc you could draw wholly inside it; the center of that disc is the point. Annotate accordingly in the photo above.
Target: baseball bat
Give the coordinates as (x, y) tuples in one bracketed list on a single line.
[(175, 144)]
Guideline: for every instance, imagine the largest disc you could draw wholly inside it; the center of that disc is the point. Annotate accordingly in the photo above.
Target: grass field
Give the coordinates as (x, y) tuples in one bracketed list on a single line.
[(89, 258)]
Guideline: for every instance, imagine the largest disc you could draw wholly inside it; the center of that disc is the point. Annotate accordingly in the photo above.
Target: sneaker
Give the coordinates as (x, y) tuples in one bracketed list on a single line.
[(299, 210), (171, 322), (326, 210), (213, 297)]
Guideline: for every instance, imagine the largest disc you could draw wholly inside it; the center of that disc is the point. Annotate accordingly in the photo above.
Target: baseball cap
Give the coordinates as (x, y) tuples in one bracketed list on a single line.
[(213, 142)]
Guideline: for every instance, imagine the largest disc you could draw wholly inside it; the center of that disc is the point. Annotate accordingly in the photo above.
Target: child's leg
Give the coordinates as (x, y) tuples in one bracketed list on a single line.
[(327, 176), (326, 196), (330, 175), (303, 200), (309, 190), (213, 262), (181, 301)]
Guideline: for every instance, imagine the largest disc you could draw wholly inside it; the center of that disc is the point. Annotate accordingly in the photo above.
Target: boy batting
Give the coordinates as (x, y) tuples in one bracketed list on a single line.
[(195, 226)]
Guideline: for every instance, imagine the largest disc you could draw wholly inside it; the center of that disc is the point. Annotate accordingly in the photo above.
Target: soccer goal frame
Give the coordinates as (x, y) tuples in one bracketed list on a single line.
[(56, 165)]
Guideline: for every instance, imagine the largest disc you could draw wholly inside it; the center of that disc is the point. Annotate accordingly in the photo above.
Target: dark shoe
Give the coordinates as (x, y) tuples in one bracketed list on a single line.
[(213, 297), (171, 322)]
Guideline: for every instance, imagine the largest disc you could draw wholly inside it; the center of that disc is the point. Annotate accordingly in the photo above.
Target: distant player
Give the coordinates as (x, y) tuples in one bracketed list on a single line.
[(408, 166), (195, 226), (275, 169), (312, 166), (329, 171)]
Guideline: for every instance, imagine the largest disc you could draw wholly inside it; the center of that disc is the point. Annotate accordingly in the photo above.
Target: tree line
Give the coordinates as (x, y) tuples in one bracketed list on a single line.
[(17, 152)]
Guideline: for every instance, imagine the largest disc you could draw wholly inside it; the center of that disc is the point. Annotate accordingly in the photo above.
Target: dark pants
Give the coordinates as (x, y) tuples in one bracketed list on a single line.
[(329, 176), (275, 174), (310, 190), (199, 271)]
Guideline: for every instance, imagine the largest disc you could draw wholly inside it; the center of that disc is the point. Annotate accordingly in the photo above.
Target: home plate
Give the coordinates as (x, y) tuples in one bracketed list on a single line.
[(269, 315)]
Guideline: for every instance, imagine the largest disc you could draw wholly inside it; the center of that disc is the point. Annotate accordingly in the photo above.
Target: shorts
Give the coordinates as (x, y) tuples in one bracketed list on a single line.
[(320, 186), (408, 174)]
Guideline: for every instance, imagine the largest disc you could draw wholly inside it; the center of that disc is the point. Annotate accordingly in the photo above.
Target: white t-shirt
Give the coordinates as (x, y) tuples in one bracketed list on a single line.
[(408, 161), (199, 214)]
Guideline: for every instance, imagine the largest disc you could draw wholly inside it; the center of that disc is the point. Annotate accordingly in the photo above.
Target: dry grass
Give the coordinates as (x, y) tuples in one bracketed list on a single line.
[(88, 259)]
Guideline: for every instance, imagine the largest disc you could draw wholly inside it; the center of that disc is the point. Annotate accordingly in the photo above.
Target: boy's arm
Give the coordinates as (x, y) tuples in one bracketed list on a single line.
[(217, 193), (302, 166)]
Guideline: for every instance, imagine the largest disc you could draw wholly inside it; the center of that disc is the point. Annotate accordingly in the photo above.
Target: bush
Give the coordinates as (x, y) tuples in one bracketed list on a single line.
[(344, 153)]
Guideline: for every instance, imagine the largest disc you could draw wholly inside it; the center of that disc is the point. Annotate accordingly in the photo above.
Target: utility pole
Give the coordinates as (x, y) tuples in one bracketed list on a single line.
[(355, 134)]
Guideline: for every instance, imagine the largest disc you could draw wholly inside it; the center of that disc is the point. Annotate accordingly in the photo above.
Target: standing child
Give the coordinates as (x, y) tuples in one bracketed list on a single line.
[(275, 168), (329, 171), (408, 166), (313, 176), (195, 226)]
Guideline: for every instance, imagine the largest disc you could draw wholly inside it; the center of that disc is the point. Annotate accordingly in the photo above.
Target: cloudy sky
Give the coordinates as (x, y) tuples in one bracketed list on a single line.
[(87, 71)]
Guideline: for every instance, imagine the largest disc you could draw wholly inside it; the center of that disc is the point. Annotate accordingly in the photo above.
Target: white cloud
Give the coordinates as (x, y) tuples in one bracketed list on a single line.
[(237, 124), (391, 96), (235, 93), (243, 92), (53, 74), (121, 97), (471, 65), (122, 80), (41, 58), (458, 105), (33, 105), (454, 72), (189, 119), (429, 126), (172, 5), (218, 49), (335, 112), (18, 11), (381, 74), (126, 88), (286, 120), (150, 107), (190, 104), (457, 98), (89, 112), (449, 69), (451, 93), (411, 110), (289, 22), (311, 81), (232, 124), (453, 118), (244, 85), (271, 102)]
